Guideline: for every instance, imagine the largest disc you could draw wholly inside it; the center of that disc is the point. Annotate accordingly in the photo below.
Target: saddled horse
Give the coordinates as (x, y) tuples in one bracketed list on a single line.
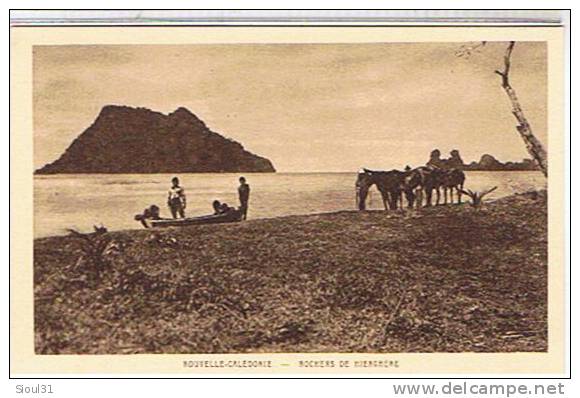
[(422, 181), (453, 179), (429, 180)]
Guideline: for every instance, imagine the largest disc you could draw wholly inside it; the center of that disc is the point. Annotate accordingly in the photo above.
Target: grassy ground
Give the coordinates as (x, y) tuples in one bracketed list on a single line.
[(442, 279)]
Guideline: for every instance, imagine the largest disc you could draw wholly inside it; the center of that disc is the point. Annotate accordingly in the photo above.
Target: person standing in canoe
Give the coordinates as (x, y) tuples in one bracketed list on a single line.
[(176, 199), (244, 194)]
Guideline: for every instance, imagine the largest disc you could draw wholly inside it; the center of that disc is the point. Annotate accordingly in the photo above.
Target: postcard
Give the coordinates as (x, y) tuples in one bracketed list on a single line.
[(312, 200)]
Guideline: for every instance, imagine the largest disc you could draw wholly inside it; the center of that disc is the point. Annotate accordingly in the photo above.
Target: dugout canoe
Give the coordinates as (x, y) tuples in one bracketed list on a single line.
[(231, 216)]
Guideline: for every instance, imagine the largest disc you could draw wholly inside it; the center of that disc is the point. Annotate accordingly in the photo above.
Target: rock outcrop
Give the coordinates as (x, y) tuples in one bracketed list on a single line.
[(486, 163), (137, 140)]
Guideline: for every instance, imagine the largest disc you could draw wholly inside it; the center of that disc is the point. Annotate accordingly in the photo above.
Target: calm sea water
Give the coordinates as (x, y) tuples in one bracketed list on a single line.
[(80, 201)]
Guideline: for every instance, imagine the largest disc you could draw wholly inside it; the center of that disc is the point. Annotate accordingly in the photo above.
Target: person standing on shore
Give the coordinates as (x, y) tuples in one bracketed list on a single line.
[(176, 199), (244, 194)]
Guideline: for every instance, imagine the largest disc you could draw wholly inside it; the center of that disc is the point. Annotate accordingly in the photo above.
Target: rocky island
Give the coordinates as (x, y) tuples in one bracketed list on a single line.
[(486, 163), (137, 140)]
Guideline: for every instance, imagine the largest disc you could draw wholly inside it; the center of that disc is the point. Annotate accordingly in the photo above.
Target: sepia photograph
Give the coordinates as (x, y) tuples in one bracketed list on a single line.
[(300, 198), (331, 197)]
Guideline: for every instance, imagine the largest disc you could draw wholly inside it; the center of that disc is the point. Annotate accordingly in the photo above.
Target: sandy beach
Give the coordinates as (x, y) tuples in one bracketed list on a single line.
[(442, 279)]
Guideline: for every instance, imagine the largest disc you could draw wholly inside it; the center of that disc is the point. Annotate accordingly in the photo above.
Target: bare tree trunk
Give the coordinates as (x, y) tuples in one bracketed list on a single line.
[(533, 145)]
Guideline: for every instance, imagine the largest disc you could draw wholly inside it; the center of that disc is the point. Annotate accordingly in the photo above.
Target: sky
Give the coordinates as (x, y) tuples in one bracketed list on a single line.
[(306, 107)]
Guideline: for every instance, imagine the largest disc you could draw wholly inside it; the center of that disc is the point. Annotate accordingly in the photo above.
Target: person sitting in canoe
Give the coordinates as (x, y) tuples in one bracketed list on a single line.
[(226, 209), (150, 213), (216, 207), (176, 199), (221, 208)]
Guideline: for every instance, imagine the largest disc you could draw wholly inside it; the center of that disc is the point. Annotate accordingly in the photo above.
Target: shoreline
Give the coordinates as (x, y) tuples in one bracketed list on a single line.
[(251, 220), (291, 217)]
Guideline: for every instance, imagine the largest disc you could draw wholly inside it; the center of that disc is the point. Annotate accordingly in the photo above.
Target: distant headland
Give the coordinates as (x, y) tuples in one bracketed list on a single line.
[(129, 140), (486, 163)]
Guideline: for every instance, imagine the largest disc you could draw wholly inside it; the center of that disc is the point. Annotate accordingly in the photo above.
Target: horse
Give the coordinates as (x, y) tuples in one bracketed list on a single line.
[(452, 179), (389, 184), (411, 186), (423, 181)]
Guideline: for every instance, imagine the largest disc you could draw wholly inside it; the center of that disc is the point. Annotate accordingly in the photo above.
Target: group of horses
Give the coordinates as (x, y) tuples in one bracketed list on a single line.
[(413, 184)]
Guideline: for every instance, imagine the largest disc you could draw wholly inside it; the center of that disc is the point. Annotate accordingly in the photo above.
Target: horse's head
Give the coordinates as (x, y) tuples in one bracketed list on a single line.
[(364, 181), (365, 178)]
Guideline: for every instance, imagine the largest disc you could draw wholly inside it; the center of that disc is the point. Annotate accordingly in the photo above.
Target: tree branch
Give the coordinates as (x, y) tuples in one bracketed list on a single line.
[(507, 64), (467, 50)]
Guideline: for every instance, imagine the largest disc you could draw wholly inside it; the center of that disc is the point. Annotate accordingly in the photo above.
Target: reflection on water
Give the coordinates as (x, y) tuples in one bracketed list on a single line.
[(80, 201)]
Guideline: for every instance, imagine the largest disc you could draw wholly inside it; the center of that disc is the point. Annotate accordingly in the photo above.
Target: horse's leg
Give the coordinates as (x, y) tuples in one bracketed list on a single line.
[(410, 198), (400, 200), (418, 193), (428, 194), (385, 197), (459, 188), (451, 194), (362, 197), (438, 192), (392, 201)]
